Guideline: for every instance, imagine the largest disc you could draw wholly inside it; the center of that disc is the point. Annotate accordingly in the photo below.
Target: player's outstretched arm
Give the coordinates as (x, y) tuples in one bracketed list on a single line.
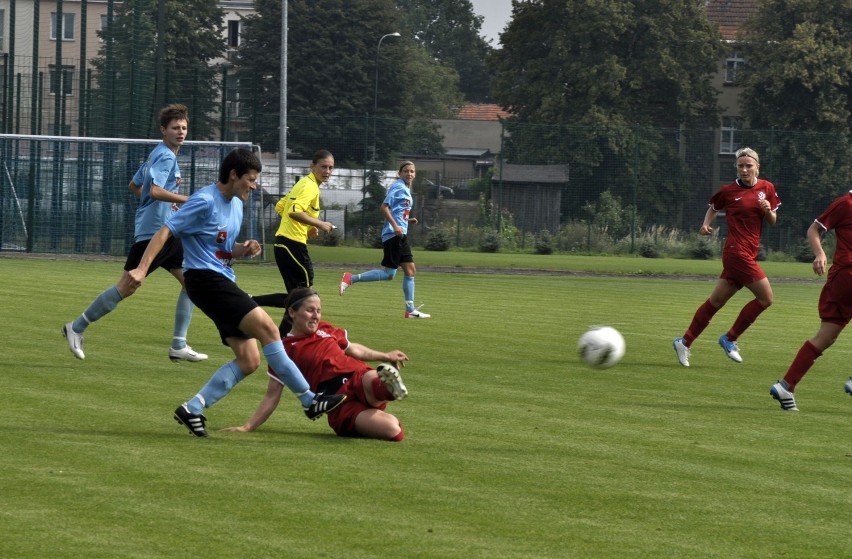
[(264, 409), (364, 353)]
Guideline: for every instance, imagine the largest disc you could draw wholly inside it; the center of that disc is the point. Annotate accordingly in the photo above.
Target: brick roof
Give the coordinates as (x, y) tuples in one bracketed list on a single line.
[(730, 14), (482, 112)]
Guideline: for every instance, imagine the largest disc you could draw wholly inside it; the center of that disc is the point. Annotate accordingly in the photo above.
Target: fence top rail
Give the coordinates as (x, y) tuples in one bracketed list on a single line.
[(41, 138)]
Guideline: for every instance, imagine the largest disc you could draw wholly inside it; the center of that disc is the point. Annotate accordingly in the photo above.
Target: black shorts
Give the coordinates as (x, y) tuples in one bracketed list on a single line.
[(220, 299), (294, 263), (397, 252), (170, 256)]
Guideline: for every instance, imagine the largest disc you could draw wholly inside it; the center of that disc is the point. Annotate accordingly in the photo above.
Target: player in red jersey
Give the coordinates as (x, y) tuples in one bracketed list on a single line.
[(748, 202), (334, 365), (835, 300)]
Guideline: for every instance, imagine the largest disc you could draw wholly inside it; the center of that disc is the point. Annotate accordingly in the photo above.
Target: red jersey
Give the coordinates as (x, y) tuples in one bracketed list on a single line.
[(321, 356), (838, 216), (744, 215)]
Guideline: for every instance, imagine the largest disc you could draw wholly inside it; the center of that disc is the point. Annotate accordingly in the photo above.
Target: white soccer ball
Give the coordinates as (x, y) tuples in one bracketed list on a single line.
[(601, 346)]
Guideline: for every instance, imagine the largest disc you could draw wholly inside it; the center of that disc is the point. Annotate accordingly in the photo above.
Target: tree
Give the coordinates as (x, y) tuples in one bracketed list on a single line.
[(609, 83), (134, 59), (450, 31), (799, 79), (332, 55)]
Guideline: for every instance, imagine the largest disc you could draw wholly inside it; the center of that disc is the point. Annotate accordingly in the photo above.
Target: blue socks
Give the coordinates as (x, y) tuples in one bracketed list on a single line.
[(216, 388), (287, 372), (379, 274), (183, 316), (100, 307), (408, 291), (229, 375)]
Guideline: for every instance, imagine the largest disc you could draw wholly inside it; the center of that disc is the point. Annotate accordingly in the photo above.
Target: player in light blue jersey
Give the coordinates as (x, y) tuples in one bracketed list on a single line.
[(396, 209), (209, 224), (156, 184)]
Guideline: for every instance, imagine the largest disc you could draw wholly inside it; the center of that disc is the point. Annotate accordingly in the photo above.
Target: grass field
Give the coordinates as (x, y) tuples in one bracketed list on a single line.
[(513, 448)]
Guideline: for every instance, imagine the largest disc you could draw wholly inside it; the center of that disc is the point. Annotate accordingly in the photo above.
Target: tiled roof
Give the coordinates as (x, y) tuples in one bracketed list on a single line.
[(482, 112), (730, 14)]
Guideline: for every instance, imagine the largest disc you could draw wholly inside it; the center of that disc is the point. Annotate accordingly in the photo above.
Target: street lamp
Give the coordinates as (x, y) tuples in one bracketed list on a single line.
[(376, 95)]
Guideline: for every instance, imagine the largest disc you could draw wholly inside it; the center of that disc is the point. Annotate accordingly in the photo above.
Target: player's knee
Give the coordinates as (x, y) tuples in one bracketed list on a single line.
[(398, 437), (390, 274), (248, 364)]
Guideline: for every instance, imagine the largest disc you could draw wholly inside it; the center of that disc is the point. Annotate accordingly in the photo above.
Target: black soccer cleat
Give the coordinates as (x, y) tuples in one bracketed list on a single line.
[(194, 422), (323, 404)]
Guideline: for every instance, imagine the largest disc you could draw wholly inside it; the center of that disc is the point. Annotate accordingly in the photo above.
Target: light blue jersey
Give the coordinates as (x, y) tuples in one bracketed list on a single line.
[(160, 169), (398, 200), (208, 226)]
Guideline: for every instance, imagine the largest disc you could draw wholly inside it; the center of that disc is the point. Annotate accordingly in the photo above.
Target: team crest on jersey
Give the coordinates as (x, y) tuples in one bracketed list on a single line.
[(221, 237), (761, 196), (407, 203)]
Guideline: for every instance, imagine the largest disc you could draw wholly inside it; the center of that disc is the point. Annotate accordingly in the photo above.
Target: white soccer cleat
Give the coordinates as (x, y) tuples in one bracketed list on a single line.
[(75, 341), (345, 283), (682, 351), (416, 313), (784, 396), (186, 354), (848, 386), (732, 350), (390, 378)]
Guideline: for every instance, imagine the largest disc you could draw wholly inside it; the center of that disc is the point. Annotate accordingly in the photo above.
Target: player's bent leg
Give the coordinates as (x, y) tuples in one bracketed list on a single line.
[(377, 424)]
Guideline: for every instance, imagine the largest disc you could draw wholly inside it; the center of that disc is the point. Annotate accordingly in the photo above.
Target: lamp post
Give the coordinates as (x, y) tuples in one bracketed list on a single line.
[(376, 94)]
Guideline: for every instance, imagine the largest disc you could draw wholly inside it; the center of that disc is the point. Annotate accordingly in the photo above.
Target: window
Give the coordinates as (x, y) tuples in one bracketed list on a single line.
[(104, 25), (233, 33), (67, 27), (731, 140), (61, 81), (232, 95), (2, 24), (733, 63)]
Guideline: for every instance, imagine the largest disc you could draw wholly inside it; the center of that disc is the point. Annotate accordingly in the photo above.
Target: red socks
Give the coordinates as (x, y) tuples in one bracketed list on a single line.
[(381, 391), (745, 319), (699, 322), (804, 360)]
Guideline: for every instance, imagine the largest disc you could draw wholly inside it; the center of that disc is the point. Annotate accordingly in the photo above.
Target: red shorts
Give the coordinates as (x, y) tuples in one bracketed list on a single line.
[(835, 299), (342, 419), (740, 271)]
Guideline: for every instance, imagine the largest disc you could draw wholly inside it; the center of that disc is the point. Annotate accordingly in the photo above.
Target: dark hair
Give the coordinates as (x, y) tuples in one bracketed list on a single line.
[(296, 297), (321, 154), (240, 160), (175, 111)]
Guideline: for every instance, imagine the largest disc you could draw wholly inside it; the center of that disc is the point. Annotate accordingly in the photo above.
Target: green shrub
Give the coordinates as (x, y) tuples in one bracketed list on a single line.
[(544, 242), (489, 242), (438, 241), (702, 249), (649, 250), (332, 239)]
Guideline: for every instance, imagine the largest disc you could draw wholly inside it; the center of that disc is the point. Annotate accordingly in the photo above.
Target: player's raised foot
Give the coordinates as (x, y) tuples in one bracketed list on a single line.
[(186, 354), (345, 282), (323, 404), (848, 386), (75, 341), (785, 397), (732, 350), (417, 313), (194, 422), (681, 351), (391, 379)]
